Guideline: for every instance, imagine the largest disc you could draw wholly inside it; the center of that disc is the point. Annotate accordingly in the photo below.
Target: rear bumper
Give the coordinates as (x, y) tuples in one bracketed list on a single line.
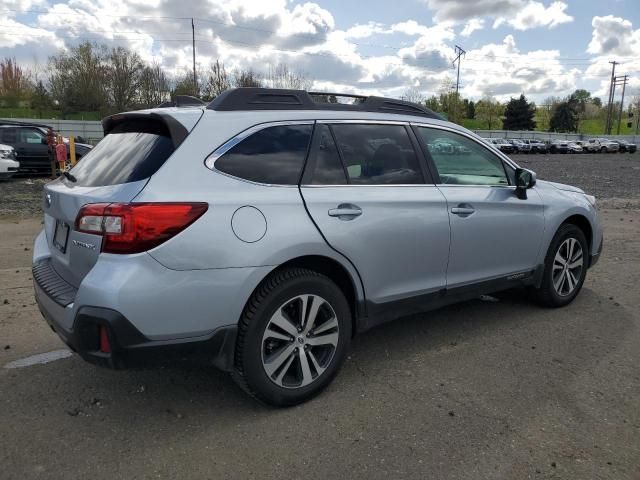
[(80, 328)]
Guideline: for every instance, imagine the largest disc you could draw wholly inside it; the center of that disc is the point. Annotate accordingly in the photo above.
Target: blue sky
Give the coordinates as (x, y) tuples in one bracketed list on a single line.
[(541, 48)]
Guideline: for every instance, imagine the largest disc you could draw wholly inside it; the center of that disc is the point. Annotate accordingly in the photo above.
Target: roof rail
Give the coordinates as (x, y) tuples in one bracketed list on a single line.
[(182, 101), (249, 98)]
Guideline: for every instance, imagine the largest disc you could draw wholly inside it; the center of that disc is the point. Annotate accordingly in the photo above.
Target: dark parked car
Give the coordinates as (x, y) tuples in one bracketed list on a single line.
[(30, 144), (559, 146), (626, 146)]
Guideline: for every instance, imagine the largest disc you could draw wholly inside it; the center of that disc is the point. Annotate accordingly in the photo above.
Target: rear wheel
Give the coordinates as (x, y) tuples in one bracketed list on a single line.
[(292, 338), (565, 267)]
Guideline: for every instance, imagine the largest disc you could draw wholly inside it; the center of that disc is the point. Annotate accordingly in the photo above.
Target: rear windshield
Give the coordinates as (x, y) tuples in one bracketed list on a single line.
[(132, 151)]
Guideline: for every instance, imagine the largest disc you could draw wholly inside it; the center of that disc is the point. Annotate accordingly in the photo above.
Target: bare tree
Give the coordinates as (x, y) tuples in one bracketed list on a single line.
[(246, 78), (78, 78), (216, 82), (124, 71), (281, 76), (15, 82), (154, 86), (413, 94)]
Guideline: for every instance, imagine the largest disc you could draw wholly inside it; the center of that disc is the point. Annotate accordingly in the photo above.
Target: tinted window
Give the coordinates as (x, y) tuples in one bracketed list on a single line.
[(377, 154), (273, 155), (130, 152), (461, 161), (9, 135), (328, 167)]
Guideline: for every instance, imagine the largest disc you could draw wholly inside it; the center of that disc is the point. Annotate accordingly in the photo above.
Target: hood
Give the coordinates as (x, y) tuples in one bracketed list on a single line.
[(566, 188)]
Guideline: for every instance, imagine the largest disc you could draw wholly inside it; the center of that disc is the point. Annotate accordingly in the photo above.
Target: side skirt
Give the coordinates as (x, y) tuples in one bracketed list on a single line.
[(379, 313)]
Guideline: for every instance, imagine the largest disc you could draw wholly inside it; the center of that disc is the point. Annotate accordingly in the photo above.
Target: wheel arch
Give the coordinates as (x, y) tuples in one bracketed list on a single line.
[(583, 224), (339, 274)]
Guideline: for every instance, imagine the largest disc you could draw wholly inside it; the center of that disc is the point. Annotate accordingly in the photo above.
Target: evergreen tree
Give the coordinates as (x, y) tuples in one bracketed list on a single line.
[(565, 117), (518, 115)]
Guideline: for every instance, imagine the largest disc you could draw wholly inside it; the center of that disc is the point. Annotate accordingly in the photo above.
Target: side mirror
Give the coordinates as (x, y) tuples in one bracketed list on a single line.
[(525, 179)]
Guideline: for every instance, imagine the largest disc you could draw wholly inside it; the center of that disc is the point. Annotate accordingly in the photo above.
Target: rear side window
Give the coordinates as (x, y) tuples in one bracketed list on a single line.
[(328, 167), (132, 151), (273, 155), (377, 154)]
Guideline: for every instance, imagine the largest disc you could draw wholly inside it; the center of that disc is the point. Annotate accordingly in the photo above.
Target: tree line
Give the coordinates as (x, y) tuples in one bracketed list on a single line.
[(554, 114), (95, 78)]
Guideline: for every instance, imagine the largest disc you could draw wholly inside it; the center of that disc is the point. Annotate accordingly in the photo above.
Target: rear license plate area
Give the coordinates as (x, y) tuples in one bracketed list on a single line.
[(61, 235)]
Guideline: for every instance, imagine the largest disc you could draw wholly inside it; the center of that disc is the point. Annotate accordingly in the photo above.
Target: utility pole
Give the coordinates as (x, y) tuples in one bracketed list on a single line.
[(624, 79), (607, 127), (460, 53), (193, 43)]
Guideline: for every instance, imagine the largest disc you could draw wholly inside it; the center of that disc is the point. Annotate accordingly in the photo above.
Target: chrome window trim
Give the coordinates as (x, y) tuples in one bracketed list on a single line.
[(209, 162), (365, 122)]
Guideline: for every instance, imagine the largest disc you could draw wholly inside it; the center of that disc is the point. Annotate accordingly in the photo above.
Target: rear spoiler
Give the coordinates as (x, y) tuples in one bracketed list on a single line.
[(176, 130)]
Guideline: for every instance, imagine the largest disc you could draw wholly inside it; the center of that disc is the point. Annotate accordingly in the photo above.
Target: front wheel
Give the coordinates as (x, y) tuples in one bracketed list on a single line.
[(292, 338), (565, 267)]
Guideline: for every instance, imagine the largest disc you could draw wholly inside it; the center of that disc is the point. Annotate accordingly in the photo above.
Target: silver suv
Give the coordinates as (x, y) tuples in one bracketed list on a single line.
[(268, 228)]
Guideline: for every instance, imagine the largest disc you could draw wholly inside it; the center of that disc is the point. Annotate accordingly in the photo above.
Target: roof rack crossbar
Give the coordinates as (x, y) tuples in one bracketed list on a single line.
[(183, 101), (250, 98)]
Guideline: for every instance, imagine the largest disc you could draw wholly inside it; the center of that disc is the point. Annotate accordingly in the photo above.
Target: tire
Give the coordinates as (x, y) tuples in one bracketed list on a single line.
[(603, 150), (262, 344), (549, 294)]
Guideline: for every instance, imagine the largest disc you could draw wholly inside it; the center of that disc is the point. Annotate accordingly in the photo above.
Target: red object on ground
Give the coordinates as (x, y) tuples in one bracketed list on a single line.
[(61, 154)]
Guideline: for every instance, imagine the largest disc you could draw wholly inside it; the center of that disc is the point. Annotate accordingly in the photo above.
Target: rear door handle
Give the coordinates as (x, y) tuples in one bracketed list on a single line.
[(463, 210), (346, 211)]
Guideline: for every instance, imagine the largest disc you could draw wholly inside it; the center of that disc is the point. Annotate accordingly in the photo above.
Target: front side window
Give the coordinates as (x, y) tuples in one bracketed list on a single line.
[(377, 154), (460, 160), (274, 155)]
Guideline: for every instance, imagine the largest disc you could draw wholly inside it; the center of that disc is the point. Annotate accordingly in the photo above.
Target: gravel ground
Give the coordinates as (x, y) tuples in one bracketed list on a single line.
[(607, 176), (481, 390)]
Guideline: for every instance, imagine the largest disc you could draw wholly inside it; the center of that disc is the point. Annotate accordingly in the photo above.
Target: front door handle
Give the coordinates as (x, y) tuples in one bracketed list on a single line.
[(346, 211), (464, 210)]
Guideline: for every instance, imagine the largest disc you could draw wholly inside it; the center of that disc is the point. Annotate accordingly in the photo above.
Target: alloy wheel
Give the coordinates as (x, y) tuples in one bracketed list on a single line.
[(567, 267), (300, 341)]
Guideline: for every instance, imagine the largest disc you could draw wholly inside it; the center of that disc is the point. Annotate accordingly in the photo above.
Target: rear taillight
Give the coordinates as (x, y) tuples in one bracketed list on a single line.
[(136, 227)]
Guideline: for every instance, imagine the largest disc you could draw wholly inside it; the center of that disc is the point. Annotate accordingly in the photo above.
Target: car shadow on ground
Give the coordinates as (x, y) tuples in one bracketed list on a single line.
[(509, 320)]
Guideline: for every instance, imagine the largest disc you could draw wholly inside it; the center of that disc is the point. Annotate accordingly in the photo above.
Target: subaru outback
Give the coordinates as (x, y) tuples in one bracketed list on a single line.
[(266, 229)]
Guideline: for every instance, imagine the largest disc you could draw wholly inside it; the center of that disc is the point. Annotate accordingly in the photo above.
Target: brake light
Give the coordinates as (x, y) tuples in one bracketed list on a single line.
[(136, 227)]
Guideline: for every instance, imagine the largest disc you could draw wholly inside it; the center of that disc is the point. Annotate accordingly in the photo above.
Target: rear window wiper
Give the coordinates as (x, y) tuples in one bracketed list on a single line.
[(69, 176)]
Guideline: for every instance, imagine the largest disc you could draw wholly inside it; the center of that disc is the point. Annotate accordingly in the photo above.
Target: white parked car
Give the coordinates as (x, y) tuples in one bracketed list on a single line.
[(8, 163)]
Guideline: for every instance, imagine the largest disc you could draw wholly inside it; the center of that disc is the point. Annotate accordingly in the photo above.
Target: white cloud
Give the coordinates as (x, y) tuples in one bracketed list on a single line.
[(471, 26), (519, 14), (261, 33), (613, 35), (535, 14)]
